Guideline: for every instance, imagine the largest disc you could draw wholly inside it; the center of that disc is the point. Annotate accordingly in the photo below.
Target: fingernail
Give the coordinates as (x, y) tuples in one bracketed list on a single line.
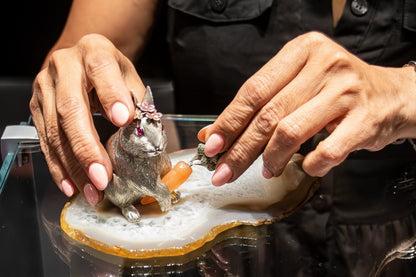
[(67, 187), (222, 175), (91, 194), (98, 175), (119, 113), (201, 133), (266, 173), (214, 145)]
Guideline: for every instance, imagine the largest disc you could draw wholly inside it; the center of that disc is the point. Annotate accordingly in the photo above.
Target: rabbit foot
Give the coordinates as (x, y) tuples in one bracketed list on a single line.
[(131, 214)]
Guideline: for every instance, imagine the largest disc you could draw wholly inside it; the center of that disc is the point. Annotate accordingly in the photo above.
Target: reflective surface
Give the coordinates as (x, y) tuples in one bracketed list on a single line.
[(33, 244)]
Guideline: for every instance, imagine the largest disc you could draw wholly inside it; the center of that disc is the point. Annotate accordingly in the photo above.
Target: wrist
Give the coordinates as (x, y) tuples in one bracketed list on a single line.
[(408, 89)]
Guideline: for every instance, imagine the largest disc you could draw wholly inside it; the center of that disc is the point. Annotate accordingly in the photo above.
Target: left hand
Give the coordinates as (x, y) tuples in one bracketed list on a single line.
[(311, 84)]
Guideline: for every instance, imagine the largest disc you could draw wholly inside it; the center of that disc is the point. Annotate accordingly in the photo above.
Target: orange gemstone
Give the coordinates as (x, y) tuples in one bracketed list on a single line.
[(173, 179)]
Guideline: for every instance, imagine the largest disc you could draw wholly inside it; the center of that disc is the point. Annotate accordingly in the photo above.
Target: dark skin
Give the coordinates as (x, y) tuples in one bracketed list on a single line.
[(85, 58), (311, 84)]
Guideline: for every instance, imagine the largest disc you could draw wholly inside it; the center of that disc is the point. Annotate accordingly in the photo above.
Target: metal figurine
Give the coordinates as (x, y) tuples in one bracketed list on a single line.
[(139, 158), (200, 159)]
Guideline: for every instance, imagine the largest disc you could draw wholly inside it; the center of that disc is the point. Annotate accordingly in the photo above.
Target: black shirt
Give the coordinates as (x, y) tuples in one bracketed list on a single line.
[(216, 45)]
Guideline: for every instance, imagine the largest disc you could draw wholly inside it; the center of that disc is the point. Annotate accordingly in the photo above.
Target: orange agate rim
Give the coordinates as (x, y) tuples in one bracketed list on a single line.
[(83, 238)]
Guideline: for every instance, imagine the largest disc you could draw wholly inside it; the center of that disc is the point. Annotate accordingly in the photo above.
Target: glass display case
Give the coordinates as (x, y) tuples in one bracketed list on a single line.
[(33, 244)]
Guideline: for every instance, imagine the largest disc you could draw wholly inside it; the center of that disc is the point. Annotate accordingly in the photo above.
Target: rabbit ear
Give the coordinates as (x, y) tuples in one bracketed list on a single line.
[(148, 97)]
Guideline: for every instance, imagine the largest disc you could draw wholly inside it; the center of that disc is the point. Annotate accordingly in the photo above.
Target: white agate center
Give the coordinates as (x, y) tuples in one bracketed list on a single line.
[(202, 213)]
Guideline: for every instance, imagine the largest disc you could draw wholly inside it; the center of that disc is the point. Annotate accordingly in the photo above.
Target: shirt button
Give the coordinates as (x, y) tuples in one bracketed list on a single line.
[(359, 7), (320, 203), (218, 5)]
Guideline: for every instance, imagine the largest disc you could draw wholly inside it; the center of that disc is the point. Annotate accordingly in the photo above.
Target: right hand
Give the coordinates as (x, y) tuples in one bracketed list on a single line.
[(92, 76)]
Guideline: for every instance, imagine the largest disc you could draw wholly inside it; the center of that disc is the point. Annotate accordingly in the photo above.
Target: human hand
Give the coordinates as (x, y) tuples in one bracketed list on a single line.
[(89, 77), (311, 84)]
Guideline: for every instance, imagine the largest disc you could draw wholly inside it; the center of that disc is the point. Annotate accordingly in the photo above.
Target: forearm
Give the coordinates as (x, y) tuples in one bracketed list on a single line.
[(126, 23)]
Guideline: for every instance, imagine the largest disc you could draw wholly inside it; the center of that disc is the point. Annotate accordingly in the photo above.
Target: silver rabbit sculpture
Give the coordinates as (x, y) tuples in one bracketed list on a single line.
[(139, 159)]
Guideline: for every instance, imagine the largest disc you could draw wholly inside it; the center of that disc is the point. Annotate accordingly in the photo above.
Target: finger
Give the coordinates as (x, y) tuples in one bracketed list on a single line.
[(77, 176), (201, 133), (77, 135), (102, 67), (64, 166), (215, 141), (308, 82), (131, 78), (92, 195), (68, 187), (257, 91), (44, 85), (300, 125), (346, 138)]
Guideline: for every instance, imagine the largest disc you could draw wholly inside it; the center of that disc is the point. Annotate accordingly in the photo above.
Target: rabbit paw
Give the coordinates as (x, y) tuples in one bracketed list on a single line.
[(131, 214)]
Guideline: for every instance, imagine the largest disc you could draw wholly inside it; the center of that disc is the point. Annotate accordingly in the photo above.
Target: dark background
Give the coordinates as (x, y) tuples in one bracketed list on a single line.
[(30, 28), (28, 31)]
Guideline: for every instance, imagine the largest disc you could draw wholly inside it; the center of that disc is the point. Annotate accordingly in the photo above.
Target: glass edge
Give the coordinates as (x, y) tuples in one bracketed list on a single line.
[(6, 166), (9, 159), (183, 117), (189, 117)]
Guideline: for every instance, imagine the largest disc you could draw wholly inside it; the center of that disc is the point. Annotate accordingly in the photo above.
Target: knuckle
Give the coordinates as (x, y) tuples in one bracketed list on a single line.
[(56, 57), (255, 90), (98, 62), (84, 151), (341, 59), (34, 106), (99, 53), (42, 82), (313, 39), (289, 133), (237, 155), (39, 79), (265, 122), (52, 133), (229, 122), (68, 107), (91, 41), (330, 153)]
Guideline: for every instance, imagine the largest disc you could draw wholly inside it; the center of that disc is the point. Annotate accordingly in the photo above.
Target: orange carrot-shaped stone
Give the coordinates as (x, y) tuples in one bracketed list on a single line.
[(173, 179)]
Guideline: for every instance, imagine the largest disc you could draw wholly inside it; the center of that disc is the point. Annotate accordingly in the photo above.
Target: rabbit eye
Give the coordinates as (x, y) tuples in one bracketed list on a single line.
[(163, 127), (139, 131)]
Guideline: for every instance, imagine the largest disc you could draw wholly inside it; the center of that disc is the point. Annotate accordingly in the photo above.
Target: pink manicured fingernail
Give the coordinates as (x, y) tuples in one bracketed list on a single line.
[(119, 113), (91, 194), (67, 187), (214, 145), (222, 175), (266, 173), (98, 175)]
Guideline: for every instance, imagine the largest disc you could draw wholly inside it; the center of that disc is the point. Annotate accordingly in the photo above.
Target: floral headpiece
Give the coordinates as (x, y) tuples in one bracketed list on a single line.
[(147, 110)]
